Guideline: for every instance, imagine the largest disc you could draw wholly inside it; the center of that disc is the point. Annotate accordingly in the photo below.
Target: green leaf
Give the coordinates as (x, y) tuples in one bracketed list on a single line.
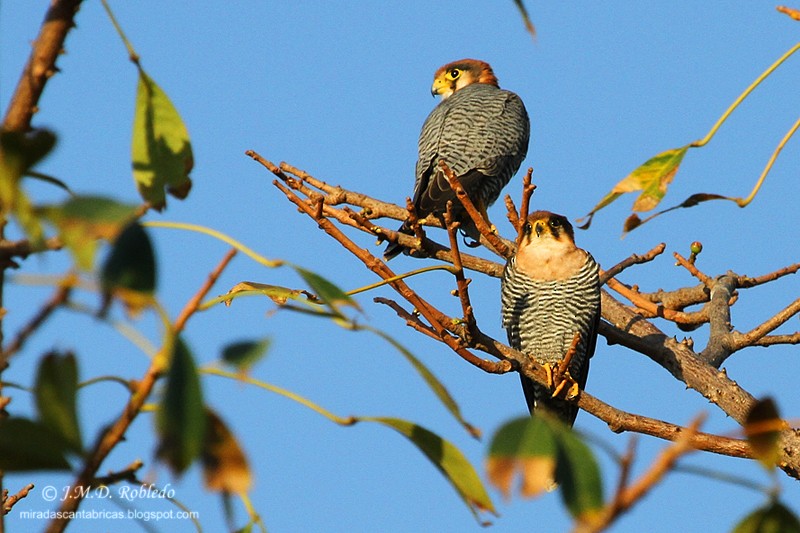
[(448, 459), (435, 385), (161, 150), (29, 445), (526, 446), (56, 392), (332, 296), (129, 272), (225, 467), (652, 178), (18, 153), (180, 420), (762, 427), (82, 220), (243, 355), (543, 450), (578, 475), (772, 518)]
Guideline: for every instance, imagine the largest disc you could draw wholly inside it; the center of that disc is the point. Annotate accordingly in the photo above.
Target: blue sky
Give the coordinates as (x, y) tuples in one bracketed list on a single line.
[(341, 90)]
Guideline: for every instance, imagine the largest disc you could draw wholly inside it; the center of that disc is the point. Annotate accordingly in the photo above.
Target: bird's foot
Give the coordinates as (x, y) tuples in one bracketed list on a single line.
[(563, 384)]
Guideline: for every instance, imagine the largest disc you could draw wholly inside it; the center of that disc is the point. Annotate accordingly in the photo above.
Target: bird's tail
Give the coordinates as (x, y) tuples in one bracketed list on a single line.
[(395, 248), (539, 397)]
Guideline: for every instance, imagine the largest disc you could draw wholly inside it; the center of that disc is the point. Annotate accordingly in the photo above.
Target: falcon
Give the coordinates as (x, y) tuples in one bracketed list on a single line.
[(480, 131), (551, 292)]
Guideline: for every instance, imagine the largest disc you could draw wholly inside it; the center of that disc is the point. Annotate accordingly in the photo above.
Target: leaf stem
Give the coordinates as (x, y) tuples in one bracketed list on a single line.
[(134, 57), (344, 421), (745, 94), (386, 281), (742, 202), (217, 235)]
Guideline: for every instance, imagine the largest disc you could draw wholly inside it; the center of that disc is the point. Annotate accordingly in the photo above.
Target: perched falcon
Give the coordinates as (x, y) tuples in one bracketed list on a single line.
[(551, 291), (480, 131)]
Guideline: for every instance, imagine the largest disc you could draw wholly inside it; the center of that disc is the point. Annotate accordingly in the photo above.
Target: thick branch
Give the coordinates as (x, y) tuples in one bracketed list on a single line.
[(719, 315)]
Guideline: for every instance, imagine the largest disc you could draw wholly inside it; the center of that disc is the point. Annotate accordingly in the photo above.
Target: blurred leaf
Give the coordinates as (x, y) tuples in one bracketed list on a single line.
[(772, 518), (652, 178), (21, 151), (243, 355), (435, 385), (225, 467), (631, 223), (56, 391), (129, 272), (578, 474), (332, 296), (181, 417), (762, 427), (448, 459), (161, 150), (29, 445), (525, 446), (525, 18), (542, 449), (18, 153), (279, 295), (82, 220)]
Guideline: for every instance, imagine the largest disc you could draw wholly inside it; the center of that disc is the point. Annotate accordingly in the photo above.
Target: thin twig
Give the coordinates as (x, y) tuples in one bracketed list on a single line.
[(634, 259), (741, 340), (527, 191), (462, 283), (60, 296), (126, 474), (693, 270), (629, 495), (411, 320), (437, 320), (511, 213), (745, 282), (482, 225), (9, 501), (651, 310)]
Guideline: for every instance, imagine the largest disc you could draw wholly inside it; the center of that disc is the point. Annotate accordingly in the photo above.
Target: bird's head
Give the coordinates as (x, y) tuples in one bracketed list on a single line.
[(458, 74), (547, 249)]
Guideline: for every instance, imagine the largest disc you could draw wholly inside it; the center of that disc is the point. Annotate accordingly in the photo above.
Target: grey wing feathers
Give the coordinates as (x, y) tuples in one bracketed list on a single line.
[(479, 128)]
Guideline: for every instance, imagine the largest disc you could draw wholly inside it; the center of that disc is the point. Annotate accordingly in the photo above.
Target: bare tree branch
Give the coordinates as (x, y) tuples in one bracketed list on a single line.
[(622, 325)]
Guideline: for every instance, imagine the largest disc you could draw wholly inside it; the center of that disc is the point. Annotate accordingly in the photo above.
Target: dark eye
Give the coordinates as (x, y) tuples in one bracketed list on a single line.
[(555, 223), (527, 228), (455, 73)]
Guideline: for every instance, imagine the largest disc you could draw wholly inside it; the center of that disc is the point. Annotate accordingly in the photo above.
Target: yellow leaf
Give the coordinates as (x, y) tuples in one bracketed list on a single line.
[(537, 474), (225, 467)]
